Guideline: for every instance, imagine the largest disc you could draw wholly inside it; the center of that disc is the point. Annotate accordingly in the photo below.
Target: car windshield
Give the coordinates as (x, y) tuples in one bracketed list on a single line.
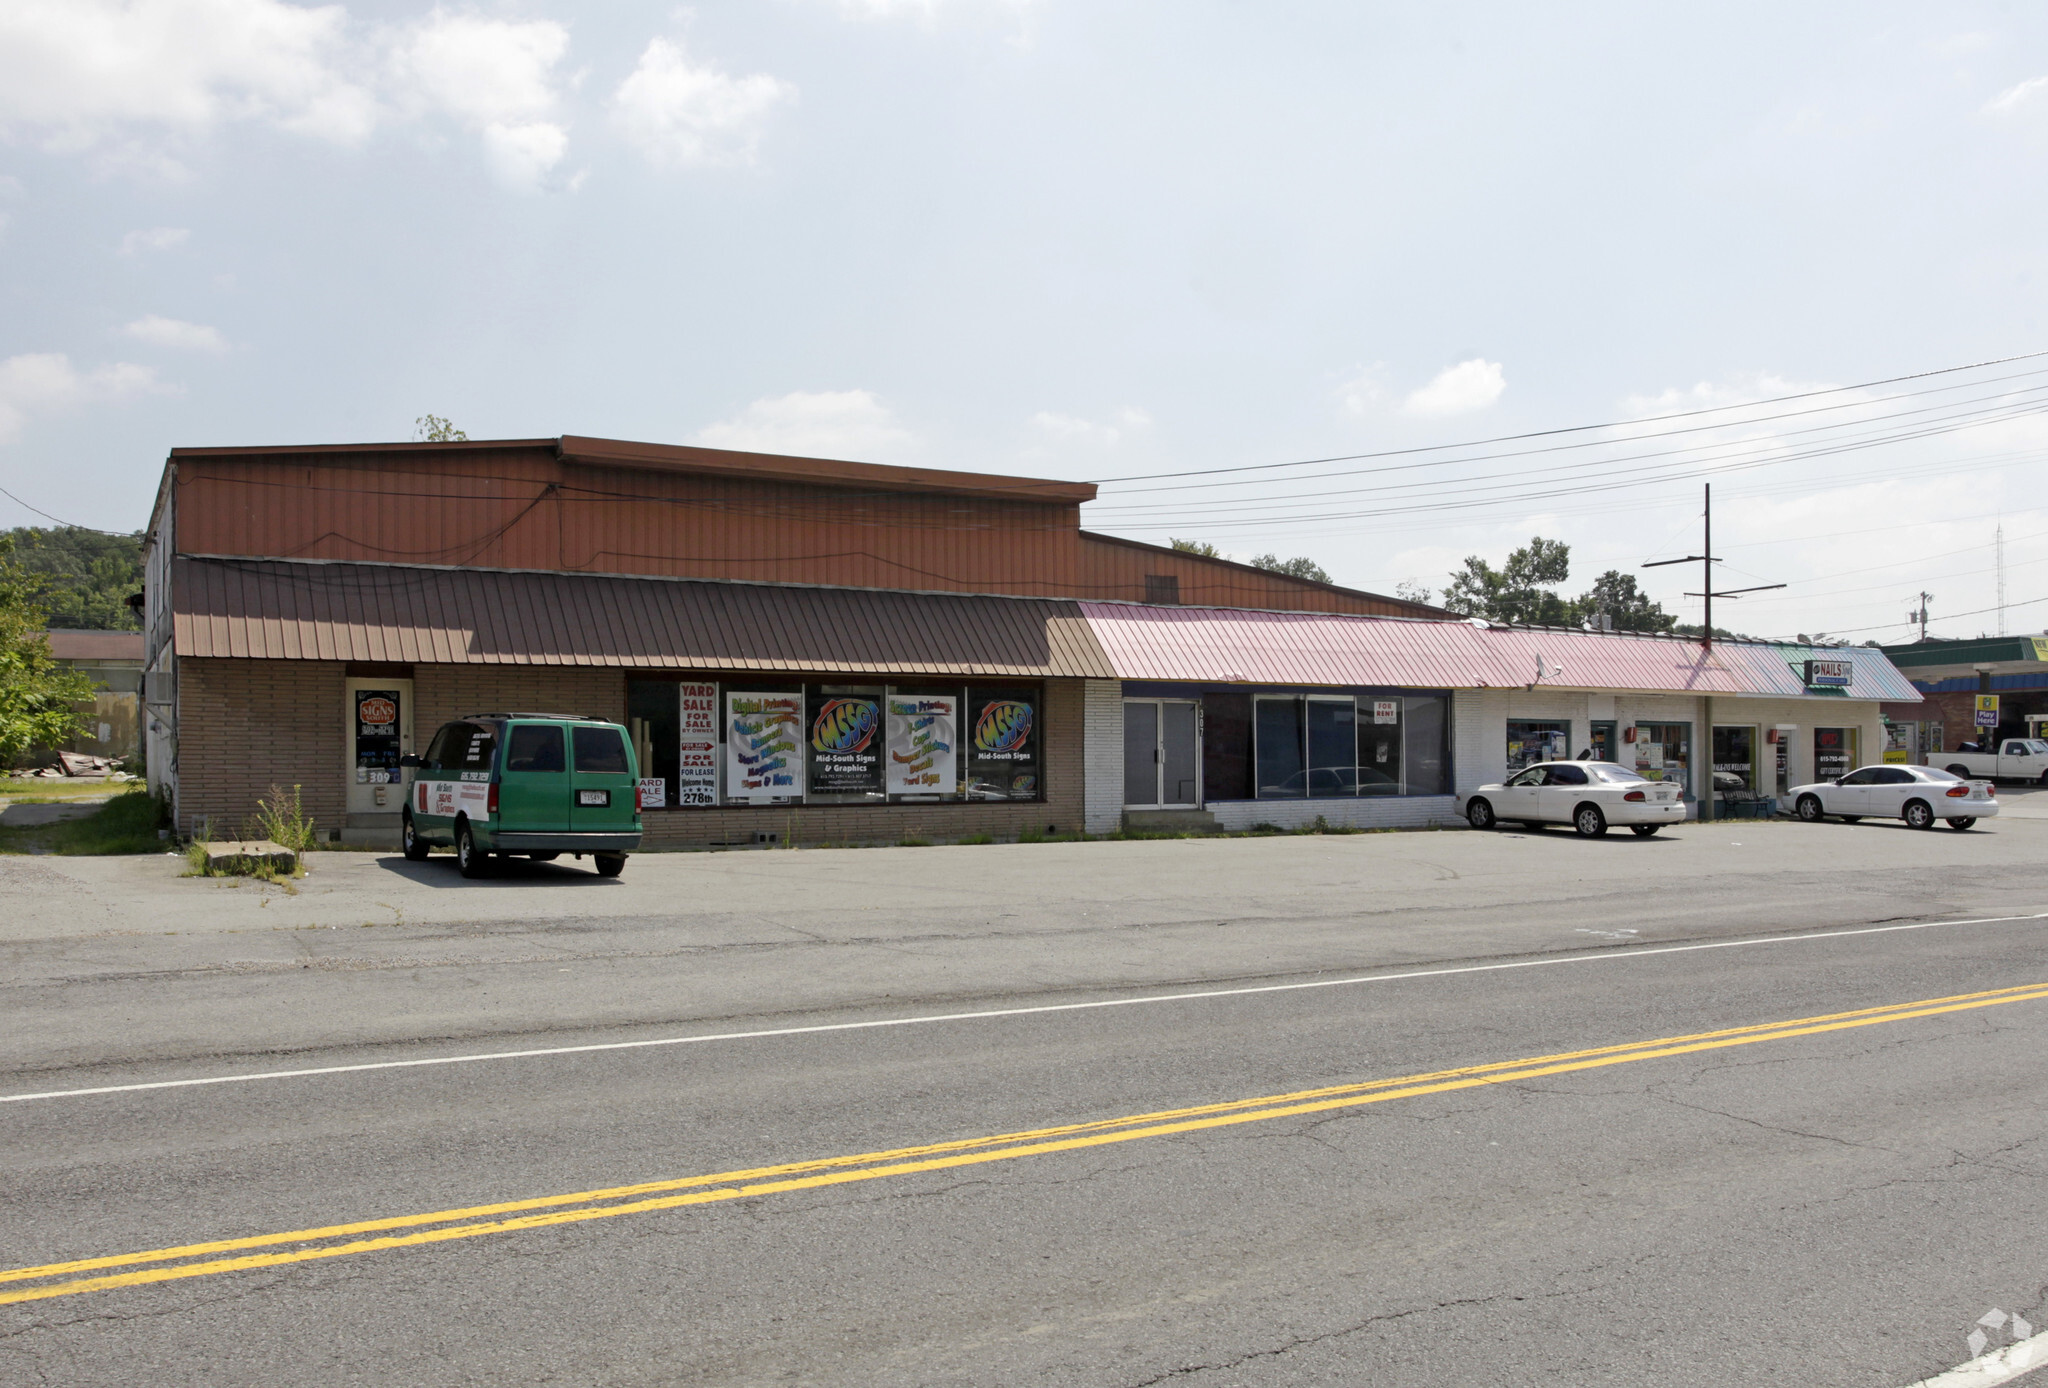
[(1612, 771)]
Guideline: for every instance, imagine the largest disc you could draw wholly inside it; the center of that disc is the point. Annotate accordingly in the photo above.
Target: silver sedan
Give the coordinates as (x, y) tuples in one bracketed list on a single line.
[(1920, 795)]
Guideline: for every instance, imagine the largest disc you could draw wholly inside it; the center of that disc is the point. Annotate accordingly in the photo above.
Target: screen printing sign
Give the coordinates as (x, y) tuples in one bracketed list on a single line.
[(697, 769), (846, 747), (764, 760), (921, 735)]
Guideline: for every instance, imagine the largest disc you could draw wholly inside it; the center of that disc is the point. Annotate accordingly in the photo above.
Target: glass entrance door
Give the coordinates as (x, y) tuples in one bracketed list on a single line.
[(1162, 754), (379, 732)]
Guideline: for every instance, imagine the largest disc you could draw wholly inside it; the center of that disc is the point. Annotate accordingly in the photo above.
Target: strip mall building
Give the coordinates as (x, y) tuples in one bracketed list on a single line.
[(826, 652)]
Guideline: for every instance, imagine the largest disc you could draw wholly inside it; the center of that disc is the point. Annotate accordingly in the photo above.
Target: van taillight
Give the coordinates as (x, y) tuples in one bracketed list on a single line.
[(492, 807), (1635, 795)]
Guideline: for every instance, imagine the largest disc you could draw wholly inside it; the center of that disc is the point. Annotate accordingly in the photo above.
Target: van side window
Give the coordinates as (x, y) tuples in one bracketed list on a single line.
[(534, 748), (470, 747), (600, 749), (437, 753)]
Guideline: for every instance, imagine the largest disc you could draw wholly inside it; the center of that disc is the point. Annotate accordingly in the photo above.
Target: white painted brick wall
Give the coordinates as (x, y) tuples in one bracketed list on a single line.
[(1102, 754)]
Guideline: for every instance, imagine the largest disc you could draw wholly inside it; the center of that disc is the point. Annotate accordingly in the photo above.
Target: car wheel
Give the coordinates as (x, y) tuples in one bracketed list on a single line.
[(1479, 815), (1963, 771), (415, 847), (1918, 815), (469, 860), (1643, 831), (1590, 823), (2044, 778), (1965, 822), (1809, 809), (609, 864)]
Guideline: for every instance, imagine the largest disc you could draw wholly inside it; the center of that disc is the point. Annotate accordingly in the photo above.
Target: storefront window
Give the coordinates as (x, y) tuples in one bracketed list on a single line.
[(1379, 746), (1332, 747), (1900, 742), (1734, 763), (1426, 728), (754, 741), (1532, 741), (1281, 774), (843, 744), (1834, 752), (1227, 746), (1003, 743), (1663, 752)]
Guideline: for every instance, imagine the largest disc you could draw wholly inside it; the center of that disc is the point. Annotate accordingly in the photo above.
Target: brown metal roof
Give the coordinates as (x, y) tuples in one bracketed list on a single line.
[(825, 472), (280, 610), (715, 462)]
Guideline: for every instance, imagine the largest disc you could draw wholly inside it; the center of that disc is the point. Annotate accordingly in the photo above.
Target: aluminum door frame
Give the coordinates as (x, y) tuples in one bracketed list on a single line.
[(1159, 754), (361, 799)]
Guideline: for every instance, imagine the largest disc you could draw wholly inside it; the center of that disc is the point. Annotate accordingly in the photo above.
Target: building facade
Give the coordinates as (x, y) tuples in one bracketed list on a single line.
[(808, 651)]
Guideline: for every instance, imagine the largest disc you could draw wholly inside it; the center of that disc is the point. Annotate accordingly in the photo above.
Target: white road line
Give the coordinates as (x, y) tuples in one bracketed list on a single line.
[(1610, 955), (1999, 1366)]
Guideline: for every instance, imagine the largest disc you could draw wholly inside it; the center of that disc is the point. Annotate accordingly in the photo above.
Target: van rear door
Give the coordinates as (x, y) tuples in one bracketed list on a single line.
[(604, 780), (533, 790)]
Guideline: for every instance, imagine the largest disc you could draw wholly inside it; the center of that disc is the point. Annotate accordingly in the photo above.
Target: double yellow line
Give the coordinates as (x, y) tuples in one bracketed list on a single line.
[(475, 1221)]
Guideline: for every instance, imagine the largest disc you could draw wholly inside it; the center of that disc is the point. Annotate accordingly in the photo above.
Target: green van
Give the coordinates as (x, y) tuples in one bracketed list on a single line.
[(533, 784)]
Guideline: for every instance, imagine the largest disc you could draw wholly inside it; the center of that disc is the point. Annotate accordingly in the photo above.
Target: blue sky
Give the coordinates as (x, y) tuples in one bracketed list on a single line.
[(1091, 241)]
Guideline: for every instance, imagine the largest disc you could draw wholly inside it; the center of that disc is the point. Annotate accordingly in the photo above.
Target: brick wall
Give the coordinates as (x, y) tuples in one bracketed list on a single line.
[(244, 725)]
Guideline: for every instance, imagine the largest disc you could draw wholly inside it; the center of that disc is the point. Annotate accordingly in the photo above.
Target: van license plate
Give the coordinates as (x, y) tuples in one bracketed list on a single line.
[(593, 797)]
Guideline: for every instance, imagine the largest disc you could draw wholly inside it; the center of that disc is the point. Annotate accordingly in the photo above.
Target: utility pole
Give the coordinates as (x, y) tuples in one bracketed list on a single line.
[(2001, 580), (1704, 755), (1706, 561), (1920, 615)]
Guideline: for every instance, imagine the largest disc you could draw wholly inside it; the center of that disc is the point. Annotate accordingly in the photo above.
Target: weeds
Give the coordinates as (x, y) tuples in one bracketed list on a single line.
[(908, 842), (977, 839), (282, 818)]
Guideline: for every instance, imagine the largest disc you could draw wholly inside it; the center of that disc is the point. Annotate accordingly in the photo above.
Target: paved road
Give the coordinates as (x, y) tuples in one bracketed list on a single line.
[(1826, 1203)]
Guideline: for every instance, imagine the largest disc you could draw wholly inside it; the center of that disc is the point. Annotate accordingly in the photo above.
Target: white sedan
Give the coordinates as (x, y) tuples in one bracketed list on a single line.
[(1588, 795), (1920, 795)]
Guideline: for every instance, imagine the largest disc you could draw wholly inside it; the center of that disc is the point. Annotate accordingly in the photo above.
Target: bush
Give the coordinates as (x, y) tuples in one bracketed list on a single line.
[(282, 818)]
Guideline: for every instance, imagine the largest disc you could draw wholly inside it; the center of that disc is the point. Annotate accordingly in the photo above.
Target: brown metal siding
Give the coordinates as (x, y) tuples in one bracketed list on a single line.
[(1114, 570), (254, 609), (522, 508)]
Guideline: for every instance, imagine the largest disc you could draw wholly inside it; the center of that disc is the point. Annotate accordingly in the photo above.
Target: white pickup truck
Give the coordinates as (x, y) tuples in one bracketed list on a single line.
[(2017, 759)]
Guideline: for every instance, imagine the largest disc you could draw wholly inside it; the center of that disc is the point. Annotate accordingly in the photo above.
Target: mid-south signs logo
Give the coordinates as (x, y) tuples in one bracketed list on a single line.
[(845, 725), (376, 713), (1003, 728)]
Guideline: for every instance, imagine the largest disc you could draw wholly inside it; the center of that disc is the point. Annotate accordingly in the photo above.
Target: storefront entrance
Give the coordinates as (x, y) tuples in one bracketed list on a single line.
[(1662, 752), (1735, 768), (1162, 754), (379, 732), (1834, 753)]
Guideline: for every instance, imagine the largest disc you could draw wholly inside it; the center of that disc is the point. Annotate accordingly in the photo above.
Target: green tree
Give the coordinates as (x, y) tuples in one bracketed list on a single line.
[(1201, 547), (1629, 607), (84, 576), (1520, 591), (37, 695), (431, 428), (1293, 568)]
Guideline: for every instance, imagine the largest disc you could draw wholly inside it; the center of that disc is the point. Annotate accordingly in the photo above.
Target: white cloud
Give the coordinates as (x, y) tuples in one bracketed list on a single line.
[(678, 113), (82, 73), (154, 239), (1067, 429), (43, 382), (816, 424), (494, 77), (2012, 98), (173, 332), (1364, 391), (1710, 395), (1461, 389)]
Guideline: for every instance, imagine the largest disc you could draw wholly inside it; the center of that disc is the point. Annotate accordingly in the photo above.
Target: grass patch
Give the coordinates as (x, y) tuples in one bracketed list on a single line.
[(125, 824), (977, 839), (913, 843)]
